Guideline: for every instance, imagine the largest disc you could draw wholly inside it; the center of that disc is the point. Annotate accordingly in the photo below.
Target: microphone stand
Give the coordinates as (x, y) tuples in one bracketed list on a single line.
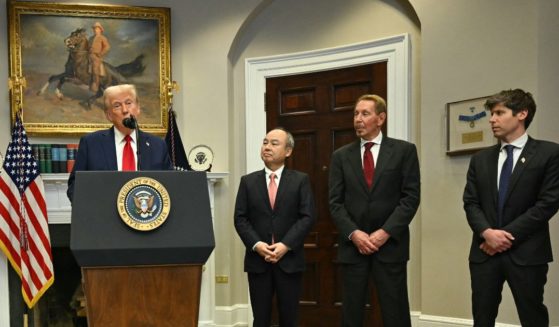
[(132, 123), (137, 131)]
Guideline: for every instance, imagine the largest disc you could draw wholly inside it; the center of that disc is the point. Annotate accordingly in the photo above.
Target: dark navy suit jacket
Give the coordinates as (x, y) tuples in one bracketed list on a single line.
[(531, 201), (97, 151), (390, 203)]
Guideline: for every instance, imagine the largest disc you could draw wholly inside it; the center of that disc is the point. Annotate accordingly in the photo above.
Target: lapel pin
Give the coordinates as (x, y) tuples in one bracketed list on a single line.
[(523, 159), (147, 143)]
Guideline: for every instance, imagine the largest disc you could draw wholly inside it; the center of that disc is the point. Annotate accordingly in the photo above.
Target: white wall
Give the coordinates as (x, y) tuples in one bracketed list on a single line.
[(464, 49)]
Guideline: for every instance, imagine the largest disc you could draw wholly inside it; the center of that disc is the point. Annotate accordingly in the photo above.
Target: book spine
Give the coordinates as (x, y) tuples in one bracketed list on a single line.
[(72, 150), (63, 155), (48, 158), (43, 158), (55, 158)]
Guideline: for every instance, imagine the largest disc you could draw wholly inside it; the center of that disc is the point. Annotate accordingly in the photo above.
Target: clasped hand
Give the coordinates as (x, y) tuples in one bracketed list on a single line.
[(496, 241), (271, 253), (369, 243)]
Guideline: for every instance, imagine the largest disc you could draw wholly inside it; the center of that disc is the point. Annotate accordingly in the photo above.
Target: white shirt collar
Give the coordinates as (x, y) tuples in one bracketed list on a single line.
[(278, 172), (376, 140), (519, 143), (119, 136)]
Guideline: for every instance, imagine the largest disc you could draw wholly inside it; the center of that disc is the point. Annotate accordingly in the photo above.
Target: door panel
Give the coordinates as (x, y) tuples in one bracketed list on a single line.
[(317, 108)]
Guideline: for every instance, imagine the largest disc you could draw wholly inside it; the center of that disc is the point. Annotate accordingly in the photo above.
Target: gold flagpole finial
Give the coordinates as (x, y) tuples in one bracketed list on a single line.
[(16, 84), (170, 87)]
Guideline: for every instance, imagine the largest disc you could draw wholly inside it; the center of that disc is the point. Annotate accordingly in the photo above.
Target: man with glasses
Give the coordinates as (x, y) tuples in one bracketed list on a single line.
[(116, 148)]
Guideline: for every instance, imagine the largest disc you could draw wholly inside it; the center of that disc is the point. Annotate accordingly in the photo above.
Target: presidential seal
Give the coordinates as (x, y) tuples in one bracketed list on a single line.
[(143, 204)]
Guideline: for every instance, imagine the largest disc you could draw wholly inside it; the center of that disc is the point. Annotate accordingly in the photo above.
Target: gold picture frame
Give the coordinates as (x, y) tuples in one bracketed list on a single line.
[(46, 48), (468, 128)]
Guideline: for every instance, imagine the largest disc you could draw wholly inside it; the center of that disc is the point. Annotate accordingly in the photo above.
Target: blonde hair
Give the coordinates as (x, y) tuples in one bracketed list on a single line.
[(115, 89), (380, 104)]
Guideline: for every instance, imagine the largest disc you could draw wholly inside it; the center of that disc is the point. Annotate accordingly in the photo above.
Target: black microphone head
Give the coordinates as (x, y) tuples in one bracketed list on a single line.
[(129, 122)]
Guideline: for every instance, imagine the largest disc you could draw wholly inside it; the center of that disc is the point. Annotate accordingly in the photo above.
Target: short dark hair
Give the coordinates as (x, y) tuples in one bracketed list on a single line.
[(516, 100)]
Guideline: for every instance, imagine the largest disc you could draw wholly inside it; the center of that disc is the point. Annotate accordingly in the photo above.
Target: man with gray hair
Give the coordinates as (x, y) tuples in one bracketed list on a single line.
[(274, 212)]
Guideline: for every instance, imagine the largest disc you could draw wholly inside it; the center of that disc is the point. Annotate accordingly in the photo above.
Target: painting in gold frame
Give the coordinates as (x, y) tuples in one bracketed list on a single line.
[(468, 128), (46, 48)]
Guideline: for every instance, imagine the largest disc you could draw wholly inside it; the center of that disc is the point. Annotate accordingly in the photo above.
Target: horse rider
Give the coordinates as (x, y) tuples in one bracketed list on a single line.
[(98, 47)]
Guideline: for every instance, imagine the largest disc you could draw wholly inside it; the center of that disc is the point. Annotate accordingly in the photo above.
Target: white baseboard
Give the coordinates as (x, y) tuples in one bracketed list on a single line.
[(420, 320), (230, 316), (236, 316)]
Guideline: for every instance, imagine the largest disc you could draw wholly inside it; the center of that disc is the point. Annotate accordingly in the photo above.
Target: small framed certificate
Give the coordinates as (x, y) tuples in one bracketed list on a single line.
[(468, 128)]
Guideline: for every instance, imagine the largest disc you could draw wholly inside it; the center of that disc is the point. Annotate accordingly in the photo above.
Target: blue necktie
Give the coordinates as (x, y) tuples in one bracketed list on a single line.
[(504, 179)]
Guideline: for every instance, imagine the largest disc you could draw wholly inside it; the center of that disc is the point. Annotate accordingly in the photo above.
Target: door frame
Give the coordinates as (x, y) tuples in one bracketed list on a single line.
[(395, 50)]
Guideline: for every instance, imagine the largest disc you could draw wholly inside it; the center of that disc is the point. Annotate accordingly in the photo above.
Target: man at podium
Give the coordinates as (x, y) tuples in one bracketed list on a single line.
[(122, 147)]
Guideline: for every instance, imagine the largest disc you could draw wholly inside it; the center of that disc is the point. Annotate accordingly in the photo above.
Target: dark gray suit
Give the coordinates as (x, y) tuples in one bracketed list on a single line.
[(97, 151), (532, 199), (390, 204), (289, 222)]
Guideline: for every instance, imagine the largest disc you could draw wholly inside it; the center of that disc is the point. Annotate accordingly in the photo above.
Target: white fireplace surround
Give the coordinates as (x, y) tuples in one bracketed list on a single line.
[(59, 212)]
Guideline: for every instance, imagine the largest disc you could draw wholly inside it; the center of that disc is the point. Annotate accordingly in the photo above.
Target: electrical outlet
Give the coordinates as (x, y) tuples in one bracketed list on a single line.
[(222, 279)]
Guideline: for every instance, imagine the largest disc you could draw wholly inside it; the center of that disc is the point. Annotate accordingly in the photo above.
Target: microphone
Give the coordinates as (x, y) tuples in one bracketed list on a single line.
[(130, 122)]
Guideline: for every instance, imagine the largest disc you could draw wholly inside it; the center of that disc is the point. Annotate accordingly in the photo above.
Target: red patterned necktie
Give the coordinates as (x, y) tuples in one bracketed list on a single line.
[(272, 189), (128, 161), (368, 163)]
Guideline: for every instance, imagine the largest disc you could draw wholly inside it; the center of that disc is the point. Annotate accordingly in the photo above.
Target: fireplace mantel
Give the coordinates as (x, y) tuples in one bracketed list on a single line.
[(59, 212)]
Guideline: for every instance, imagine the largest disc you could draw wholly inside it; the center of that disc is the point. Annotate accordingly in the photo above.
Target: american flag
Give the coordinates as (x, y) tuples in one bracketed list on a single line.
[(24, 233)]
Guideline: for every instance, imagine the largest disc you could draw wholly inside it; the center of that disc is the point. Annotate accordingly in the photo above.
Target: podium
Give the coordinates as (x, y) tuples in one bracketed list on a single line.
[(141, 278)]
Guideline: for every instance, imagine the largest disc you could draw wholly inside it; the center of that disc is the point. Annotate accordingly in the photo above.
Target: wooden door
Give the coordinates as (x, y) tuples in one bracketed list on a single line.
[(317, 108)]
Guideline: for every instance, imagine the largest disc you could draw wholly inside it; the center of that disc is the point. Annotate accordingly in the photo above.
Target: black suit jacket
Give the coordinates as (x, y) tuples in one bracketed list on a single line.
[(532, 199), (390, 204), (290, 221), (97, 151)]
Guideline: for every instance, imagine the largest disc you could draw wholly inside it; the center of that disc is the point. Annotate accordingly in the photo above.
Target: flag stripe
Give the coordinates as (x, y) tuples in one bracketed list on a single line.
[(37, 205), (8, 248)]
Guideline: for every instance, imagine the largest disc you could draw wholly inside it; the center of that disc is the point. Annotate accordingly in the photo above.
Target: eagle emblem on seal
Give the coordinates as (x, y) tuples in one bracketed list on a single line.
[(144, 203)]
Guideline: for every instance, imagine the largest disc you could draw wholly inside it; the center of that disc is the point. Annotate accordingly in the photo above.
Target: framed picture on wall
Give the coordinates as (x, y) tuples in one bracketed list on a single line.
[(66, 65), (468, 128)]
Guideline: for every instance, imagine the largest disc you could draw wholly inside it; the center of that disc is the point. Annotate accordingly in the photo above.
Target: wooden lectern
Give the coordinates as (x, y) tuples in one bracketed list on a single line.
[(141, 278)]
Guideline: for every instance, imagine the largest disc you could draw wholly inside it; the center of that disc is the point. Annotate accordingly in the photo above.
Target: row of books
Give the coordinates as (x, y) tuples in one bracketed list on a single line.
[(55, 158)]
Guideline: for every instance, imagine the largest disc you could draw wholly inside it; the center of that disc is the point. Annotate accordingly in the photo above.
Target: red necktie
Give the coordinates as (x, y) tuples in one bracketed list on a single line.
[(368, 164), (128, 161), (272, 189)]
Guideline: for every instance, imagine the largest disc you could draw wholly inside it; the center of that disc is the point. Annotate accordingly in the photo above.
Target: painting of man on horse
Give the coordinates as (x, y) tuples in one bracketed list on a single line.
[(85, 66), (64, 83)]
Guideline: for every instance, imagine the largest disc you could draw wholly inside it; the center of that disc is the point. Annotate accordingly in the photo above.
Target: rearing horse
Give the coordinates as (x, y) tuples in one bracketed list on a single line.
[(76, 69)]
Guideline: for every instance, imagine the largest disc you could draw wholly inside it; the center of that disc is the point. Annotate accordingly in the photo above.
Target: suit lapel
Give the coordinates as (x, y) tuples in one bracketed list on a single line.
[(524, 159), (354, 154), (493, 161), (384, 156), (109, 149), (144, 146), (286, 179), (261, 188)]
